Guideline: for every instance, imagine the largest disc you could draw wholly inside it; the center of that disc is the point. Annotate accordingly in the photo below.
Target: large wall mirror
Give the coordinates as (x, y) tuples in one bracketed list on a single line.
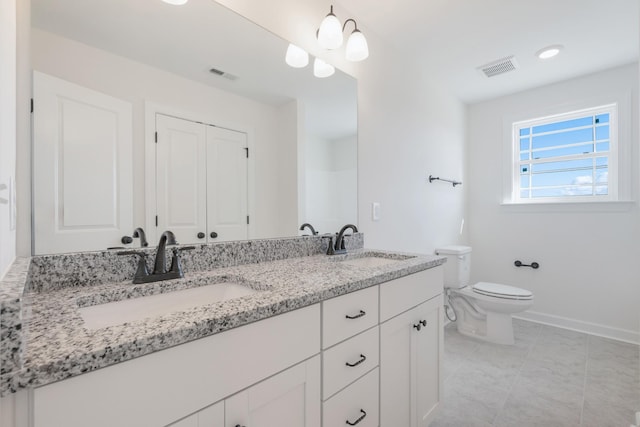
[(194, 71)]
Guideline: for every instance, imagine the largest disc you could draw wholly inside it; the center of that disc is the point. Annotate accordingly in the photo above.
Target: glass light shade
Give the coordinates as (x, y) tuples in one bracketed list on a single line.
[(296, 57), (357, 48), (176, 2), (330, 32), (321, 69)]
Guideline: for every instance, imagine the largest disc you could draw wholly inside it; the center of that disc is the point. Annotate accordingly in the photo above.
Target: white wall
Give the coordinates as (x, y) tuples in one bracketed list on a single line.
[(407, 129), (331, 181), (137, 83), (7, 133), (589, 254)]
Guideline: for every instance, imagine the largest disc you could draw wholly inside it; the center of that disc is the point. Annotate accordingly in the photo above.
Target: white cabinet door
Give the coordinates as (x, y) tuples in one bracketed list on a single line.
[(289, 399), (212, 416), (181, 178), (82, 167), (191, 421), (226, 185), (411, 346)]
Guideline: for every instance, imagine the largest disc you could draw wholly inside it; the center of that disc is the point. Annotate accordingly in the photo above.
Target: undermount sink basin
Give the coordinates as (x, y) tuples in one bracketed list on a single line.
[(369, 261), (373, 259), (130, 310)]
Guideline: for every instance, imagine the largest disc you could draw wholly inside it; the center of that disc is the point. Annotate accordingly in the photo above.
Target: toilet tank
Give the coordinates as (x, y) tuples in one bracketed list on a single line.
[(456, 269)]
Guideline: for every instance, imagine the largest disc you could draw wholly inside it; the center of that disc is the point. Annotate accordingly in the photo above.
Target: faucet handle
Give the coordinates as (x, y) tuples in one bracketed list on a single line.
[(176, 266), (142, 270), (330, 249)]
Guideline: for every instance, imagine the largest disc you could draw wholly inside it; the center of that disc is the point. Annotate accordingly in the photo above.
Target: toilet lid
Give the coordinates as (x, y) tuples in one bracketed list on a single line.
[(501, 291)]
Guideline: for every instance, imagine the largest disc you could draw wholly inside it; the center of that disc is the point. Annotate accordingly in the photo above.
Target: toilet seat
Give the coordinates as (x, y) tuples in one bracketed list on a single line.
[(501, 291)]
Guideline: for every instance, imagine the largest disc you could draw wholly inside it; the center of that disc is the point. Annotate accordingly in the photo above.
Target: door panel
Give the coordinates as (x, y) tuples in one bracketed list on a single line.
[(181, 178), (410, 362), (226, 184), (395, 370), (82, 167), (289, 399), (426, 360)]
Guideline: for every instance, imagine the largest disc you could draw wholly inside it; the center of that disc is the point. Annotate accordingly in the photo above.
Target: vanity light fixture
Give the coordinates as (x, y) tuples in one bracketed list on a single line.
[(296, 57), (176, 2), (549, 51), (330, 32), (357, 47), (321, 69), (330, 37)]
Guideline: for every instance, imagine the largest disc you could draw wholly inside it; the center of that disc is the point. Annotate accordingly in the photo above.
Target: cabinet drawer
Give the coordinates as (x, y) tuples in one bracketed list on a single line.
[(349, 314), (359, 400), (361, 352), (399, 295)]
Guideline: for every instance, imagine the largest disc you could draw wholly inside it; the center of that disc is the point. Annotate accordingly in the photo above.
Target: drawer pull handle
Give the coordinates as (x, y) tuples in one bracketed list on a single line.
[(238, 425), (362, 313), (362, 359), (364, 414), (420, 324)]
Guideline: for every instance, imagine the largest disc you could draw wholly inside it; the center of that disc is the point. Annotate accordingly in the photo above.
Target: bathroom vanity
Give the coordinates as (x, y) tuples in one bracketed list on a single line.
[(321, 340)]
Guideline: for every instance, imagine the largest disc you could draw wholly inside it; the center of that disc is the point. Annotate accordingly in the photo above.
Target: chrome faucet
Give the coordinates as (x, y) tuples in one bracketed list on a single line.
[(339, 247), (310, 227)]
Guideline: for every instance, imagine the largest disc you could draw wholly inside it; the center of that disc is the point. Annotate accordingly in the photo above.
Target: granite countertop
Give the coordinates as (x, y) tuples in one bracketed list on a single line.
[(59, 346)]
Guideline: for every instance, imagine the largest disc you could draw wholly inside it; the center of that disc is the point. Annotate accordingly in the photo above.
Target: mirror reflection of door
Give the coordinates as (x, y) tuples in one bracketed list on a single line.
[(201, 181), (82, 168)]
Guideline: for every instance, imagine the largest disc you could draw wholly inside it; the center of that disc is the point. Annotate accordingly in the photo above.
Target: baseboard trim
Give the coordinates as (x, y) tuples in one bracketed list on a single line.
[(632, 337)]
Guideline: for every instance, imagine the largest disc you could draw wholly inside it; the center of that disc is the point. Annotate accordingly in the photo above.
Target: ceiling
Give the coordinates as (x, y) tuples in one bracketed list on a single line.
[(451, 38)]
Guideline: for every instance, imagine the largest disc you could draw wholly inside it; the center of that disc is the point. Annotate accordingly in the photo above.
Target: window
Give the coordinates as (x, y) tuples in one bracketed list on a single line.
[(567, 157)]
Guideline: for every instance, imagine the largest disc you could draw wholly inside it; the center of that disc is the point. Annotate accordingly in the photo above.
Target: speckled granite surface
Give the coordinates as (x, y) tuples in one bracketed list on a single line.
[(51, 272), (58, 346), (11, 317)]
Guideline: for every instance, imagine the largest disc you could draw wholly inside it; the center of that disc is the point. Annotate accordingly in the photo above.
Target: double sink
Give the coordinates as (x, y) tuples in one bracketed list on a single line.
[(159, 299)]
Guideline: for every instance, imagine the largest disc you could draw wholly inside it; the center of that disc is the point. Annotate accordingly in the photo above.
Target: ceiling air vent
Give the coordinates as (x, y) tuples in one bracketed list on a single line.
[(500, 66), (224, 74)]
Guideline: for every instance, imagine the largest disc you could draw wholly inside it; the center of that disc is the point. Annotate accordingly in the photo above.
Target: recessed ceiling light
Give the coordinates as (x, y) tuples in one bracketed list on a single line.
[(549, 51), (176, 2)]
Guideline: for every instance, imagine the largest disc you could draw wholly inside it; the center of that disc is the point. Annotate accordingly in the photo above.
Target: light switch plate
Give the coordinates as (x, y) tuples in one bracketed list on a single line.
[(12, 203), (375, 211)]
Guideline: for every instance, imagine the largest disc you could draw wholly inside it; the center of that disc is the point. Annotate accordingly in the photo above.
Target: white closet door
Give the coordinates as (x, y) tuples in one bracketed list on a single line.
[(226, 185), (181, 178), (82, 167)]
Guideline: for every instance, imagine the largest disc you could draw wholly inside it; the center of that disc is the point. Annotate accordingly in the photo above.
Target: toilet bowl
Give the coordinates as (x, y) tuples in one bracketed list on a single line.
[(482, 310)]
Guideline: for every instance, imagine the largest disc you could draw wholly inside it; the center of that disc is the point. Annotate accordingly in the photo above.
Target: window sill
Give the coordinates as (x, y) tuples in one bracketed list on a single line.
[(576, 206)]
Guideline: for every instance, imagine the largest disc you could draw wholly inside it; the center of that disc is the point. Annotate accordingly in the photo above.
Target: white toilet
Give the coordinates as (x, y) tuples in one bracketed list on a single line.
[(483, 310)]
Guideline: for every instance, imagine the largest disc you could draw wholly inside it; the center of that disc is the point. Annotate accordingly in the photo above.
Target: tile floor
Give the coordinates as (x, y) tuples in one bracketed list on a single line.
[(551, 377)]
